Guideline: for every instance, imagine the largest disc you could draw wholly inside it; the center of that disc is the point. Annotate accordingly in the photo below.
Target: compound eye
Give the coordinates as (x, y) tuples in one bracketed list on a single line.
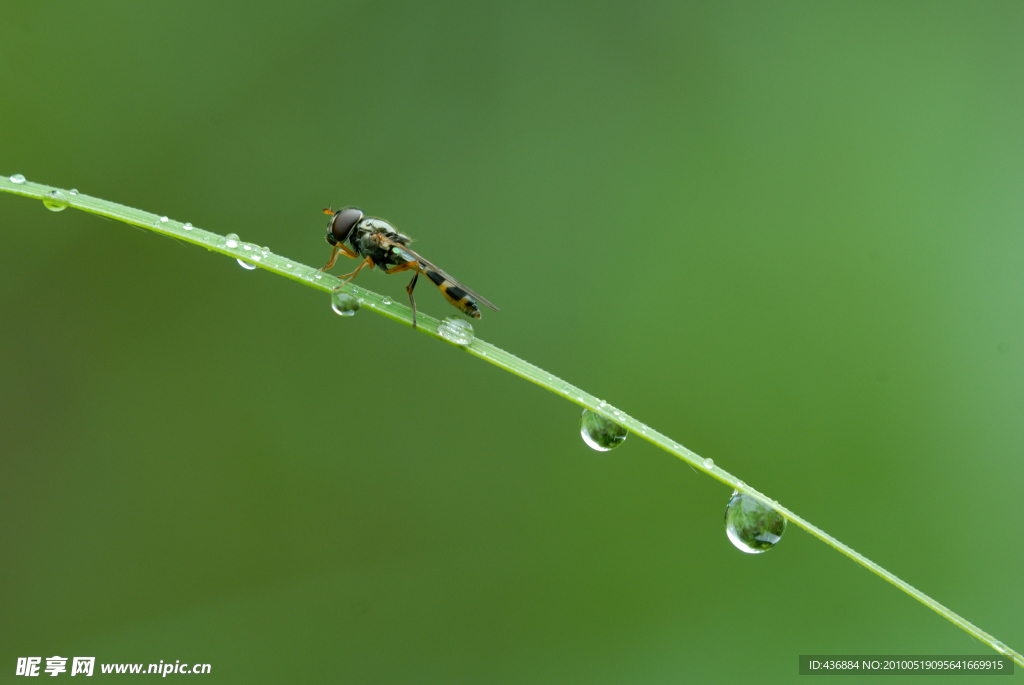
[(343, 221)]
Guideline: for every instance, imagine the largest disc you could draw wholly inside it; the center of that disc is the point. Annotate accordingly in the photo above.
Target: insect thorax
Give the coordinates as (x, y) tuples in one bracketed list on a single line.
[(366, 240)]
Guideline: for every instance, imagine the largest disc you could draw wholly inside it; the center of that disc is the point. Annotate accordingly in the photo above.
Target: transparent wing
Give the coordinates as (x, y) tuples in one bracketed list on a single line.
[(397, 247)]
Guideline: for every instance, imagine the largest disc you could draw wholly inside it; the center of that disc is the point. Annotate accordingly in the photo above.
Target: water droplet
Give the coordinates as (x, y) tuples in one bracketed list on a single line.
[(343, 303), (751, 526), (456, 330), (247, 246), (287, 266), (318, 276), (386, 300), (600, 433), (231, 240), (163, 219), (55, 201), (245, 265), (73, 191), (602, 405), (188, 226), (709, 463), (17, 178)]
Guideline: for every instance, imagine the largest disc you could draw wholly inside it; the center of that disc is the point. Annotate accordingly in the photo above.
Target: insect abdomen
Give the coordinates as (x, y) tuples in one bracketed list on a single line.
[(458, 297)]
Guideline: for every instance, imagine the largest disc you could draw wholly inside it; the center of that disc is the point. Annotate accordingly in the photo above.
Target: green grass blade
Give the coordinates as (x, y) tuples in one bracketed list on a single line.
[(428, 325)]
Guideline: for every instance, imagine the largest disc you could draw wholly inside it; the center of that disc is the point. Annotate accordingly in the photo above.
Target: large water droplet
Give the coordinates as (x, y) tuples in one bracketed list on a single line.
[(751, 526), (709, 463), (17, 178), (343, 303), (600, 433), (386, 300), (231, 240), (164, 219), (73, 191), (456, 330), (55, 201), (245, 265), (188, 226)]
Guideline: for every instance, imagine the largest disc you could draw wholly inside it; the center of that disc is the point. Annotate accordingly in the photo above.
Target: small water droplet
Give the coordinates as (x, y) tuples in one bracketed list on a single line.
[(163, 219), (188, 226), (456, 330), (265, 250), (600, 433), (55, 201), (17, 178), (343, 303), (245, 265), (318, 276), (247, 246), (741, 484), (709, 463), (287, 266), (73, 191), (231, 240), (386, 300), (602, 405), (752, 526)]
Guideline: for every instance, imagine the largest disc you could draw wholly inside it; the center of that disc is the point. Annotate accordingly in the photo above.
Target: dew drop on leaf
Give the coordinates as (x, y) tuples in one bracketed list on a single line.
[(600, 433), (17, 178), (245, 265), (343, 303), (456, 330), (231, 240), (752, 527), (55, 201)]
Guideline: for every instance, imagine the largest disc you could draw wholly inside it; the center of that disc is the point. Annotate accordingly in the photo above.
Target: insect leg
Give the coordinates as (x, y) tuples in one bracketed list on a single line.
[(412, 284), (334, 255), (348, 277), (412, 300)]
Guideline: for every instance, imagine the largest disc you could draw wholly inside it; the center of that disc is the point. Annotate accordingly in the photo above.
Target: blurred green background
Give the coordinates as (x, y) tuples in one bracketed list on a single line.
[(787, 235)]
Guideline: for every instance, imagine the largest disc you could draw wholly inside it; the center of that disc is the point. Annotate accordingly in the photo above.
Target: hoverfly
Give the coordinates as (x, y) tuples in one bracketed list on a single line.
[(381, 246)]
